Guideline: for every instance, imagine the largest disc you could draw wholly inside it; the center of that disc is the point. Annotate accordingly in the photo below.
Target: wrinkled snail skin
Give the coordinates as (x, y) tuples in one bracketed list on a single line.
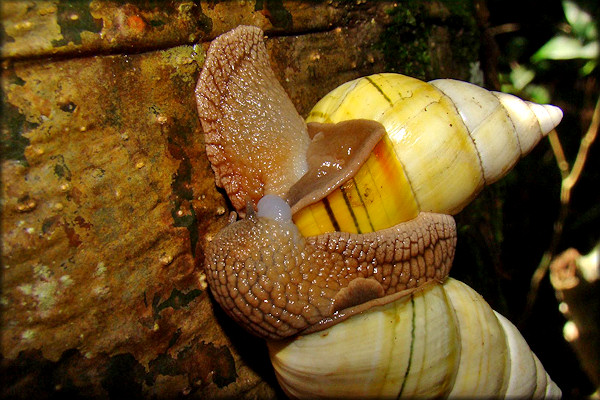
[(354, 274), (441, 341), (255, 140), (277, 283)]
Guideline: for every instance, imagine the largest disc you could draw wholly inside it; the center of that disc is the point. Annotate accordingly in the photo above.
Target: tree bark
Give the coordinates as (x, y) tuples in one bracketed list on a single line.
[(107, 195)]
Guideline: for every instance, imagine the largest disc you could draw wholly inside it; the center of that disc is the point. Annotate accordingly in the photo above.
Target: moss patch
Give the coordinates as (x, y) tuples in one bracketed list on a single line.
[(414, 31), (404, 43), (74, 17), (464, 32)]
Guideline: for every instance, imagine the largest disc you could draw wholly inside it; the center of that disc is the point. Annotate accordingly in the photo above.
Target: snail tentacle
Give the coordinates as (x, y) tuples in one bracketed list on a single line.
[(276, 283)]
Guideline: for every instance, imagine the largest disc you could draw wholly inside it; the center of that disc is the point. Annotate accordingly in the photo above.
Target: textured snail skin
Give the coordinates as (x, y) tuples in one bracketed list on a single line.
[(257, 142), (276, 283), (272, 138)]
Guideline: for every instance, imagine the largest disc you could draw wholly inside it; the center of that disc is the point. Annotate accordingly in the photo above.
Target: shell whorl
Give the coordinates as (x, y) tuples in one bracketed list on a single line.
[(503, 127), (450, 137), (441, 341)]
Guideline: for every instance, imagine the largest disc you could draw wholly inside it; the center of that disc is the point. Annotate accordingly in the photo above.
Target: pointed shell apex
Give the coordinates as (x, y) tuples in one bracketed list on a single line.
[(548, 116)]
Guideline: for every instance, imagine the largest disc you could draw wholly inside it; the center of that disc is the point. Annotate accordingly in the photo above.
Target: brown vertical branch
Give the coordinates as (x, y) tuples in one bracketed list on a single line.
[(569, 179), (559, 154), (575, 279)]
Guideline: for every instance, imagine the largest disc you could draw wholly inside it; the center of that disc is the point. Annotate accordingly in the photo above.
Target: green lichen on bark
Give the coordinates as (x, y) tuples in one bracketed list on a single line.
[(74, 17), (404, 43), (463, 31), (12, 141), (427, 40)]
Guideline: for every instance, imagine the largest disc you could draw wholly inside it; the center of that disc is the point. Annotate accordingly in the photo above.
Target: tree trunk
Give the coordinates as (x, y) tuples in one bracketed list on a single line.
[(107, 195)]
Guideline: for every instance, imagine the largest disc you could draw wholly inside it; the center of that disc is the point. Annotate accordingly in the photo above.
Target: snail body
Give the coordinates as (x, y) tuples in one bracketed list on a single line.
[(351, 222), (277, 283), (441, 341)]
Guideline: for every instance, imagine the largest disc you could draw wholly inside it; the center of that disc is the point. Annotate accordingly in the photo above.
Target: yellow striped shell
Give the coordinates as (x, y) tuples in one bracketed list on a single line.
[(434, 145), (445, 140), (442, 341)]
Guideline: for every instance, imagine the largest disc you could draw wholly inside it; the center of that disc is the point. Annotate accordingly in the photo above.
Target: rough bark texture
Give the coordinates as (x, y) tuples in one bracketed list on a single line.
[(107, 195)]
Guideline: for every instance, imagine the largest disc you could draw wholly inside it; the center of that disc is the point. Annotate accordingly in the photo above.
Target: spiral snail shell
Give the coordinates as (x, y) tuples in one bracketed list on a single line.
[(352, 203), (441, 341), (446, 139)]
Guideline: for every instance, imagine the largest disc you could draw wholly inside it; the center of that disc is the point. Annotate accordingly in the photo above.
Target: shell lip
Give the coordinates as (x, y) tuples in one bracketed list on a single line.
[(335, 154)]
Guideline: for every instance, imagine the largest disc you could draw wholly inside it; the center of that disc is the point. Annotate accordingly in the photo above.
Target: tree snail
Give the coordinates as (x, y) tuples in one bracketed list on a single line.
[(442, 341), (352, 204)]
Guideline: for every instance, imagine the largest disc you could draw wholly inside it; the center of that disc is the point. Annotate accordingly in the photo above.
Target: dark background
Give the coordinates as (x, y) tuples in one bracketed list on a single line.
[(505, 232)]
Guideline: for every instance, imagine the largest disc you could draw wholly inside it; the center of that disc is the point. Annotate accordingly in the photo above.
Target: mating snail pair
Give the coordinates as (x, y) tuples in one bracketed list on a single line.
[(343, 268)]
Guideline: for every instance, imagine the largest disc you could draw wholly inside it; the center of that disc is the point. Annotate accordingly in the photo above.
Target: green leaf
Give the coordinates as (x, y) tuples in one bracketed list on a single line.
[(566, 48), (521, 77), (588, 67), (538, 94), (582, 22)]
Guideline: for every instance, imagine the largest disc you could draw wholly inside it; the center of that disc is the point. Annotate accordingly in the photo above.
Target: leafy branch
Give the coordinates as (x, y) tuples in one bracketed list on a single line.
[(577, 38), (569, 176)]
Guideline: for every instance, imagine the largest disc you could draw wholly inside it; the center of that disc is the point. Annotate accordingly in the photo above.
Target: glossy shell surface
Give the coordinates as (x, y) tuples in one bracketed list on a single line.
[(444, 340), (446, 139)]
